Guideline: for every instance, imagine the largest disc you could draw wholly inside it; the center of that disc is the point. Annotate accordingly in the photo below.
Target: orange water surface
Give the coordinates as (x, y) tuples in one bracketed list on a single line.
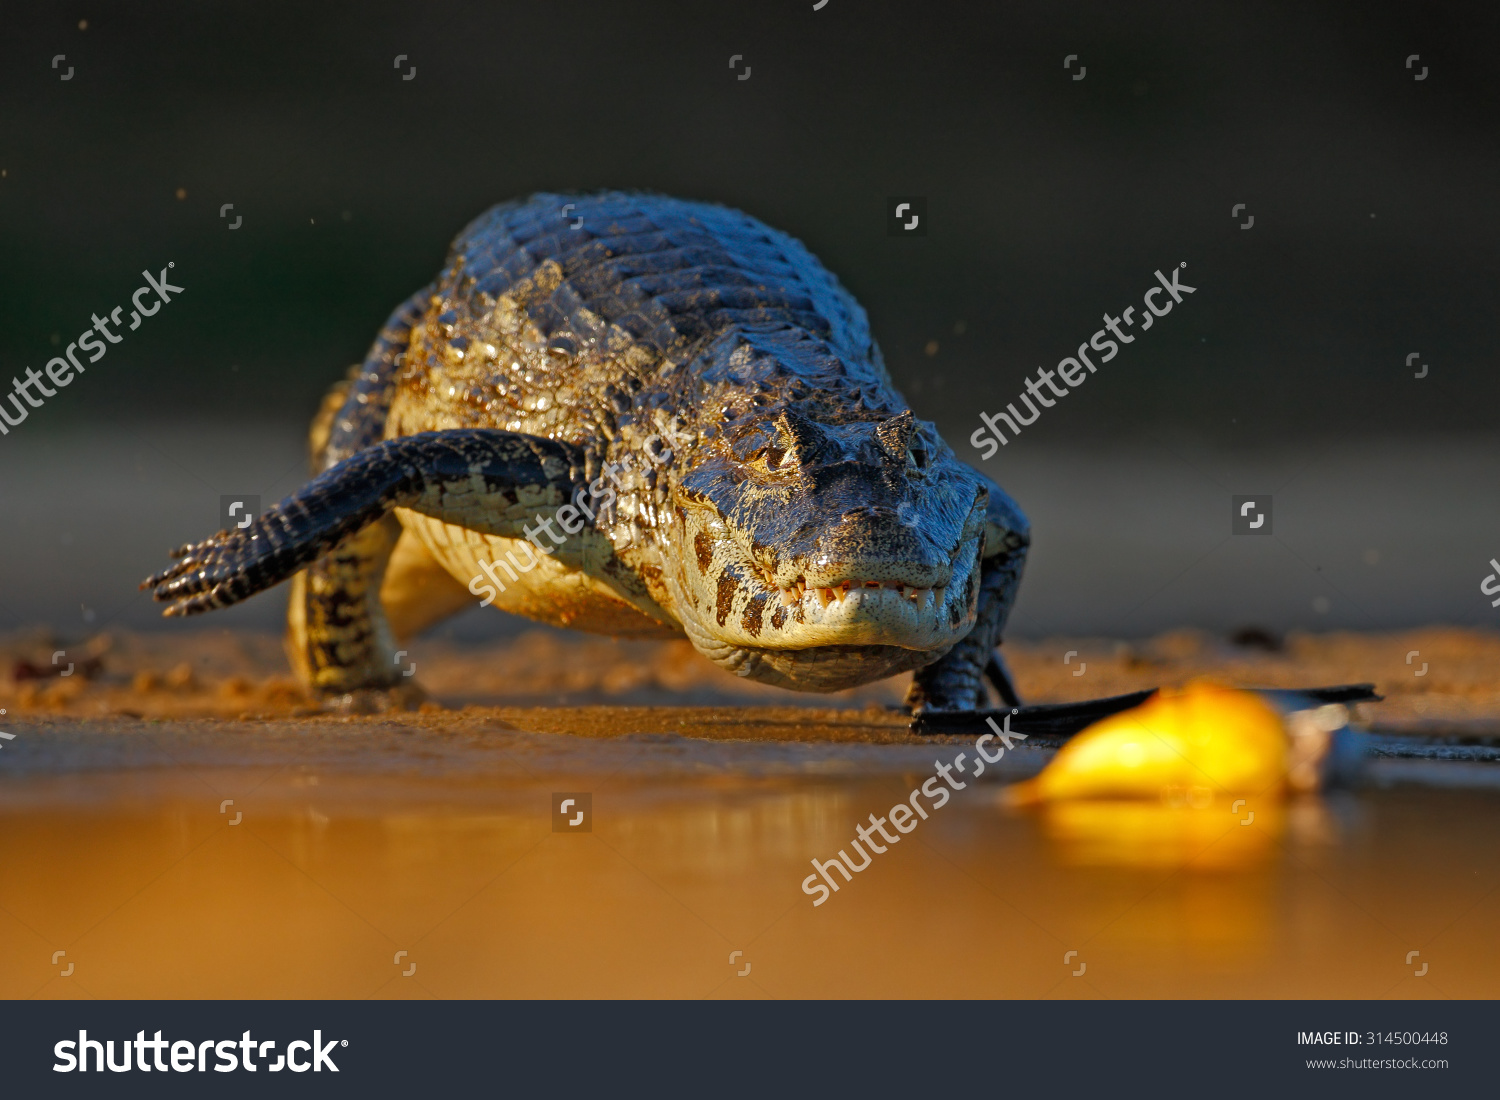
[(376, 858)]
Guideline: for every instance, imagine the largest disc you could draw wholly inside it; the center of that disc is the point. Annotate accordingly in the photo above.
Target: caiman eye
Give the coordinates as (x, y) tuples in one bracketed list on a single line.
[(782, 443)]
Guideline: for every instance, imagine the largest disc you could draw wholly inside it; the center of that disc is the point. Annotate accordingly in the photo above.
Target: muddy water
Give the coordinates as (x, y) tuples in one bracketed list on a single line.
[(349, 842)]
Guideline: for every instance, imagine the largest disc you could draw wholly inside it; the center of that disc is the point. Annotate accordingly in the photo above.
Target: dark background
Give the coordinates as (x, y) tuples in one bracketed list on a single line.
[(1050, 200)]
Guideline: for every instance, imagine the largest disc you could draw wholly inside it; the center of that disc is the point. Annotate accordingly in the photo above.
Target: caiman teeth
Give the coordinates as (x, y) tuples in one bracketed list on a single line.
[(797, 591)]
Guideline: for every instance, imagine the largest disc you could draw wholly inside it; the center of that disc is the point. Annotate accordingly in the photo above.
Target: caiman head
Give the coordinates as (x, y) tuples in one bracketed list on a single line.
[(826, 545)]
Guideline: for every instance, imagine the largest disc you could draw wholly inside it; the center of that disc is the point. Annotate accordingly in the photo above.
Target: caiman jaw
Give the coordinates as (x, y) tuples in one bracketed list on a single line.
[(848, 600), (820, 554), (797, 591), (860, 611), (830, 636), (920, 606), (872, 613)]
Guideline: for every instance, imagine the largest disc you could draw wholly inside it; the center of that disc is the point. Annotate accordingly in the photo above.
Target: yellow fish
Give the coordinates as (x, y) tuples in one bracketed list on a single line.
[(1199, 742)]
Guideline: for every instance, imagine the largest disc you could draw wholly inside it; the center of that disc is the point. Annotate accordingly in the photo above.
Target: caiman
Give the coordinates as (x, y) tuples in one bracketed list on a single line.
[(638, 416)]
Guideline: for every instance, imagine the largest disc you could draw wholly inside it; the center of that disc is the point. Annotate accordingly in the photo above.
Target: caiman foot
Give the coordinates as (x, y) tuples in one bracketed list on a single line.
[(956, 683), (402, 697)]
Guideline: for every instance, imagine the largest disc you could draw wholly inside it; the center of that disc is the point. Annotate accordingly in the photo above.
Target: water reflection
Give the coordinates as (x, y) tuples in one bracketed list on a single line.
[(1144, 834), (153, 893), (1187, 830)]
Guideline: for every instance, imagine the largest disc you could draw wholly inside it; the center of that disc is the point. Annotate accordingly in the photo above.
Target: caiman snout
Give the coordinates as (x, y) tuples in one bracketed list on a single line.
[(844, 535), (869, 546)]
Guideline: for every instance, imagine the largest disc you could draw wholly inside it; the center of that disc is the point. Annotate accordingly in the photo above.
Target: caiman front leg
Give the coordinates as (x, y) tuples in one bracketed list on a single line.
[(956, 681), (493, 482)]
